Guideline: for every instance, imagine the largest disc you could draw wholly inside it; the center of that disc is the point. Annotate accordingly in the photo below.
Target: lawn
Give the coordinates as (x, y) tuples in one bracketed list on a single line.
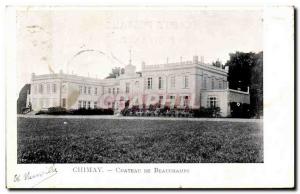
[(51, 140)]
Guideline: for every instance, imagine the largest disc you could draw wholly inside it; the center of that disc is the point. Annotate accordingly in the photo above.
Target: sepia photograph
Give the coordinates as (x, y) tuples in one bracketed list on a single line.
[(181, 97), (140, 86)]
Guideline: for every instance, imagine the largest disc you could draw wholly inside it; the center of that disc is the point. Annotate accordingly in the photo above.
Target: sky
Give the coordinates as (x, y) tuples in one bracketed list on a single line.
[(91, 41)]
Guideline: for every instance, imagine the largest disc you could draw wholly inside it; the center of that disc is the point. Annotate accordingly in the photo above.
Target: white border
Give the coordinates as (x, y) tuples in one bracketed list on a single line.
[(276, 172)]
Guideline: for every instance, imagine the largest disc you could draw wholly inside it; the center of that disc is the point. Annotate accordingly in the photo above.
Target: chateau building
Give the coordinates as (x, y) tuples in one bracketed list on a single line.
[(187, 83)]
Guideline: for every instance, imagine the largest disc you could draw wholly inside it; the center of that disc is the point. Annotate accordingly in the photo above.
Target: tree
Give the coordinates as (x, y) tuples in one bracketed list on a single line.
[(115, 72), (217, 64), (256, 87), (239, 74), (246, 70), (21, 102)]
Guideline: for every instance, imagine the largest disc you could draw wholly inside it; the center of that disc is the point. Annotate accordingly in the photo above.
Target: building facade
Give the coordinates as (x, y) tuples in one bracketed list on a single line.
[(192, 84)]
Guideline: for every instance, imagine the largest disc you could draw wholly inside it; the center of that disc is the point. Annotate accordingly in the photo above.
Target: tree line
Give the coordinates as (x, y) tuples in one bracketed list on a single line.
[(246, 70)]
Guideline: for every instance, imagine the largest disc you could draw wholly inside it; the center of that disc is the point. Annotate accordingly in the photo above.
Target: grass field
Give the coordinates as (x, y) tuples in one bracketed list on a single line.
[(49, 140)]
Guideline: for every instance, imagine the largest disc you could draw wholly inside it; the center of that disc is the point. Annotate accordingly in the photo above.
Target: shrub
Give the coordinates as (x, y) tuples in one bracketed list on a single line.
[(56, 111), (125, 111), (81, 111), (41, 112), (53, 111), (97, 111), (207, 112)]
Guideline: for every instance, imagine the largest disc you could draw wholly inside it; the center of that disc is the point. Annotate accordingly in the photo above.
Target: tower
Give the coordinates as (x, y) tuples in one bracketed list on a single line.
[(130, 69)]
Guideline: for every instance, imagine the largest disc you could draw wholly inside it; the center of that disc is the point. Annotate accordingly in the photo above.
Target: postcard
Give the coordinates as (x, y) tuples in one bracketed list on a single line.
[(149, 97)]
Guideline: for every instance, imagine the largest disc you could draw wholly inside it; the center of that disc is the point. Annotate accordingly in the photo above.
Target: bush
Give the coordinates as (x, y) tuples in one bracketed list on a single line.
[(56, 111), (81, 111), (207, 112), (125, 111), (53, 111), (97, 111), (41, 112)]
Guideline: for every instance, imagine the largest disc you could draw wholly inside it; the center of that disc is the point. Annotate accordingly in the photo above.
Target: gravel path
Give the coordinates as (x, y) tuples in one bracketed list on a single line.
[(143, 118)]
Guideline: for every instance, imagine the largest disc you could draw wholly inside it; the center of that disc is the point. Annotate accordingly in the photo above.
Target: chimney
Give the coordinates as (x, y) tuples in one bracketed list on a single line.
[(143, 65), (195, 59), (202, 60), (227, 68)]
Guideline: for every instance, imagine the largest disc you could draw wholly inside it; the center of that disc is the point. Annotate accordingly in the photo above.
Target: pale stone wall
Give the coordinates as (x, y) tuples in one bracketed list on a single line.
[(177, 76), (222, 100), (224, 97), (239, 96), (173, 76), (45, 98), (73, 95), (61, 89)]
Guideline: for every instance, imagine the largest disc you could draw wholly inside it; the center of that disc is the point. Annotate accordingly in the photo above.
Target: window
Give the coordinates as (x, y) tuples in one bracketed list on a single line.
[(63, 88), (118, 90), (186, 81), (172, 100), (159, 83), (204, 82), (46, 103), (95, 104), (212, 102), (127, 87), (89, 90), (54, 88), (79, 104), (173, 82), (80, 89), (84, 90), (89, 104), (186, 101), (41, 88), (64, 102), (48, 88), (109, 90), (113, 90), (137, 84), (220, 84), (149, 83), (160, 100), (212, 83), (84, 104), (96, 91)]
